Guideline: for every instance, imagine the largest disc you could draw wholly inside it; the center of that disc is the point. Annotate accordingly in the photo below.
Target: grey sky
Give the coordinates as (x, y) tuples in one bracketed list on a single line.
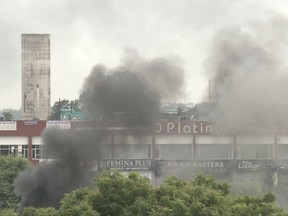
[(87, 32)]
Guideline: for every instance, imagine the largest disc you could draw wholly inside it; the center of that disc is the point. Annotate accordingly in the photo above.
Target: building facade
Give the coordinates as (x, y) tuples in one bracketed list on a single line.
[(257, 159), (35, 76)]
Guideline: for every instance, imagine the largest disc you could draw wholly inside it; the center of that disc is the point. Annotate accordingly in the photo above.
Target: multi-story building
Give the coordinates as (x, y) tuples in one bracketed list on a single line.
[(252, 158), (35, 76)]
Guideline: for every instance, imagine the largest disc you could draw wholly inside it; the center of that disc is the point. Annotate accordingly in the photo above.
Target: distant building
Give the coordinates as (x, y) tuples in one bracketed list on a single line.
[(35, 76)]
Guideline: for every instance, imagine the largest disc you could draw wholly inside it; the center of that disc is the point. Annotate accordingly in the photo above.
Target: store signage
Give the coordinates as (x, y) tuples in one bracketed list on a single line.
[(30, 123), (59, 124), (204, 165), (127, 164), (221, 165), (185, 127), (255, 165), (8, 126), (202, 128)]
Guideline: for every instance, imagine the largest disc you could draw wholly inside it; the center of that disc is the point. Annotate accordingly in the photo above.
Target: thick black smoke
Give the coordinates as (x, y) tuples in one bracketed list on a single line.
[(248, 72), (135, 88), (72, 154), (132, 90)]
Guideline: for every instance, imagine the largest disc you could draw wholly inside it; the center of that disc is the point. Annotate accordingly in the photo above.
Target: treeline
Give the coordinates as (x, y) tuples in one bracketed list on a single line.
[(114, 194)]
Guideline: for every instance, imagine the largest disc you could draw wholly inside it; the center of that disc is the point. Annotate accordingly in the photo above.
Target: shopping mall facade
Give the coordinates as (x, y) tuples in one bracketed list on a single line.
[(180, 148)]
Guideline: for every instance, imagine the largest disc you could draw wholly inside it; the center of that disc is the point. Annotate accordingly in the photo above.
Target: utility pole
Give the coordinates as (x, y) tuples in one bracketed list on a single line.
[(59, 107), (209, 93)]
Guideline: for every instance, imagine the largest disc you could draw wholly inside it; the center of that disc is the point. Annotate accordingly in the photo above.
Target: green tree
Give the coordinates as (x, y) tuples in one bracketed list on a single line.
[(39, 212), (9, 169), (63, 104), (8, 212), (77, 203), (134, 195), (116, 193), (6, 116)]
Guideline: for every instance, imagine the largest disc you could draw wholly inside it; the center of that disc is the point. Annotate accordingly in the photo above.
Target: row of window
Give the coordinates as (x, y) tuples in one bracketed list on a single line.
[(170, 151), (20, 151)]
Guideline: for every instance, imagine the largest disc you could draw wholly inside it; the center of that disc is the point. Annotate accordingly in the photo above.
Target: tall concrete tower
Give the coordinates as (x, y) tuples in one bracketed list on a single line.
[(35, 76)]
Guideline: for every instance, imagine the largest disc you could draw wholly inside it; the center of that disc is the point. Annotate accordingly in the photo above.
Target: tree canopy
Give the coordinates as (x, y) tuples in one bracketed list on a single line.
[(63, 104), (9, 169), (6, 116), (116, 194)]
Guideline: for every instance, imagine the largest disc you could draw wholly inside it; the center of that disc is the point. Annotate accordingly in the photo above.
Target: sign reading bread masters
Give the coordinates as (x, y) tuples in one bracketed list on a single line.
[(128, 164), (200, 165), (8, 125)]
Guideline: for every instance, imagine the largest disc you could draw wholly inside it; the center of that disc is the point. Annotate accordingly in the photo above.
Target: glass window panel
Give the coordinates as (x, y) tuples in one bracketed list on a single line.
[(4, 150), (140, 151), (254, 151), (212, 151), (282, 151), (106, 151), (174, 152), (9, 150), (122, 151), (24, 151), (36, 152), (247, 151), (262, 151), (136, 151)]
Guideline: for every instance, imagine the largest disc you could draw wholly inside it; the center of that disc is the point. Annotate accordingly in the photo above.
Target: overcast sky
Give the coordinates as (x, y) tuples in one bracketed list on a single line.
[(87, 32)]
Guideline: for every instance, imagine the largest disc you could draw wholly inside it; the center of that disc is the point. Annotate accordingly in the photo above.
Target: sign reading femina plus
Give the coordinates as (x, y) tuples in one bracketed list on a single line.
[(127, 164)]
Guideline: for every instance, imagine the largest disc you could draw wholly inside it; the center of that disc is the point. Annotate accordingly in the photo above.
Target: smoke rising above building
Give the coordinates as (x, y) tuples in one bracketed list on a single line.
[(135, 88), (248, 70)]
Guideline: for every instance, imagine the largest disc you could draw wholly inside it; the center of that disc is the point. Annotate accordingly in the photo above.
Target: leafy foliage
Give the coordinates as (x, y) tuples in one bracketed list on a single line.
[(9, 169), (8, 212), (39, 212), (63, 104), (6, 116), (134, 195)]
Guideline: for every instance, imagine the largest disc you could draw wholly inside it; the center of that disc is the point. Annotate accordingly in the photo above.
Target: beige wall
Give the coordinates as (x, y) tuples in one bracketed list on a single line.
[(35, 76)]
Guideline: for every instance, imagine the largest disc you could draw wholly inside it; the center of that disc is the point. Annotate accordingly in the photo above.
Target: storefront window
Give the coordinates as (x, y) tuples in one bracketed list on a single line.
[(9, 150), (212, 151), (173, 151), (36, 152), (132, 151), (254, 151)]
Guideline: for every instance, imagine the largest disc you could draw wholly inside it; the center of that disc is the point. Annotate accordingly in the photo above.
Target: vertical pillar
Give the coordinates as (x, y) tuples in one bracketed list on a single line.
[(274, 148), (194, 147), (112, 147), (30, 148), (153, 160), (234, 148)]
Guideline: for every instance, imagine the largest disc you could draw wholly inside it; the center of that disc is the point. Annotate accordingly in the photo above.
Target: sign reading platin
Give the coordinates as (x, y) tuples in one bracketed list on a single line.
[(59, 124), (188, 127), (202, 128), (8, 125), (127, 164)]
